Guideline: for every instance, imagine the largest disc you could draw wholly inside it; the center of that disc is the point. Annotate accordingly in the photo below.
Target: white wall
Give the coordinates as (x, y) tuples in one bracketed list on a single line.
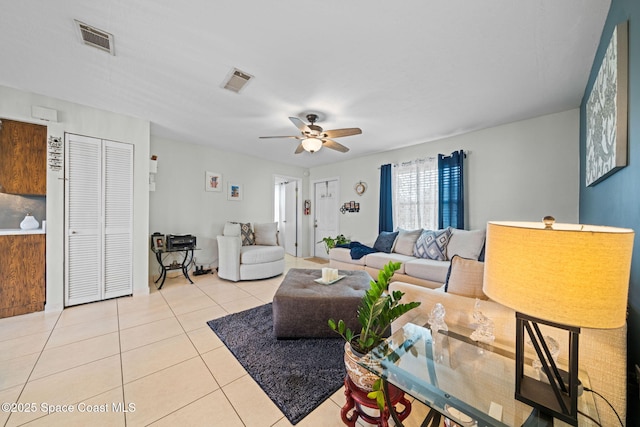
[(519, 171), (83, 120), (180, 204)]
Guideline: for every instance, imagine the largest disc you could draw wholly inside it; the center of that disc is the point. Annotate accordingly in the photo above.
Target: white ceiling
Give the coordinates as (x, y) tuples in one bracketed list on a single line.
[(405, 72)]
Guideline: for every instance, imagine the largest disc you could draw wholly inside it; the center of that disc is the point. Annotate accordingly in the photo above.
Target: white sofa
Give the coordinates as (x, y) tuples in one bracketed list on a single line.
[(429, 273), (602, 352), (247, 253)]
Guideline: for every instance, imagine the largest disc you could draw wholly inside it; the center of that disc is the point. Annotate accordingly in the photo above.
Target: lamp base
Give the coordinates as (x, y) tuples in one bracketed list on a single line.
[(538, 418), (541, 396), (559, 396)]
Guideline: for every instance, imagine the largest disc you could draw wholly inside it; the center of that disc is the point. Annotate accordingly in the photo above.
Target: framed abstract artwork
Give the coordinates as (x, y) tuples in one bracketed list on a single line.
[(234, 191), (606, 111), (213, 181)]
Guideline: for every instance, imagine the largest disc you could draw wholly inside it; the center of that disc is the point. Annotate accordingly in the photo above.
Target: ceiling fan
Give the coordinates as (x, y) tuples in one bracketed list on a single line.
[(313, 137)]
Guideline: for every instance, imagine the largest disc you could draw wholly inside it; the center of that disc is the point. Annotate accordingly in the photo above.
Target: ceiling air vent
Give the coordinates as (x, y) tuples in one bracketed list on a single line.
[(236, 80), (96, 38)]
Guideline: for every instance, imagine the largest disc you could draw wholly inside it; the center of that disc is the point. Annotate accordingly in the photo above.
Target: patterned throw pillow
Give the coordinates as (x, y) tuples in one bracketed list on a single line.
[(432, 244), (247, 234)]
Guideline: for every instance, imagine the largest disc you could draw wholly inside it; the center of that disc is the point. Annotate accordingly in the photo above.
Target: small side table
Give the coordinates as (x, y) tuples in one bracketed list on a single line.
[(357, 398), (184, 265)]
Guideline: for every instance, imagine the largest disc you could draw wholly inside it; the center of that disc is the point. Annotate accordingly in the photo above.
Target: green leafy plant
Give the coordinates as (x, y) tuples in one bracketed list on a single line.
[(377, 310), (331, 242), (378, 394)]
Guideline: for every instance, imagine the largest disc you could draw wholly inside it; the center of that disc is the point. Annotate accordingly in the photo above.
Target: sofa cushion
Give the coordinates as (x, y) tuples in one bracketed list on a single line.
[(427, 269), (246, 233), (379, 259), (266, 234), (466, 243), (432, 244), (256, 254), (231, 229), (385, 241), (465, 278), (406, 241), (344, 255)]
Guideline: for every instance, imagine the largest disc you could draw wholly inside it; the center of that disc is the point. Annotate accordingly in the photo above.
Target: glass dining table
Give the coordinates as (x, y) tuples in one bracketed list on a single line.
[(467, 382)]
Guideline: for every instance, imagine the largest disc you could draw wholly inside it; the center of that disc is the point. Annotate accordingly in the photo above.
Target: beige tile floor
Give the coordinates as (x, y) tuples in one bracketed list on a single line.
[(144, 360)]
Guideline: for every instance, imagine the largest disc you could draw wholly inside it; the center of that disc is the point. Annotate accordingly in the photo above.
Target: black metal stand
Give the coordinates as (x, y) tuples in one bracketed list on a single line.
[(184, 265), (558, 397), (538, 418)]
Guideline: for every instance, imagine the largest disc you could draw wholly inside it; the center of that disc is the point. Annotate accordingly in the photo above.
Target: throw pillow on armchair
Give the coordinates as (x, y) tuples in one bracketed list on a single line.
[(266, 234)]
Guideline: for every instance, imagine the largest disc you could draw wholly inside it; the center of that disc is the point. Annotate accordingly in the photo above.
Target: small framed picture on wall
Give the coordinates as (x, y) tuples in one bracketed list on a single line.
[(213, 181), (235, 191)]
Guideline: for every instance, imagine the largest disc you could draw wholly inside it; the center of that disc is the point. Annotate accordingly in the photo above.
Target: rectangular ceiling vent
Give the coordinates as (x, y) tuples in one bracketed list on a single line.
[(236, 80), (96, 38)]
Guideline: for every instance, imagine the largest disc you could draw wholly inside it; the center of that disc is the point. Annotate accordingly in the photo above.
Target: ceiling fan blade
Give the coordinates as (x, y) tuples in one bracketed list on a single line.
[(300, 149), (300, 124), (288, 136), (337, 133), (329, 143)]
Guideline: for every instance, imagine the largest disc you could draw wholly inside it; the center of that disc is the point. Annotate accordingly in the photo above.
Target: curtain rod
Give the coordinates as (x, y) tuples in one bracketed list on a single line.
[(465, 152)]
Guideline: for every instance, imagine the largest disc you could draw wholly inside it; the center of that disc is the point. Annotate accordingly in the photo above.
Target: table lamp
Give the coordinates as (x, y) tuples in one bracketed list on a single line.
[(566, 276)]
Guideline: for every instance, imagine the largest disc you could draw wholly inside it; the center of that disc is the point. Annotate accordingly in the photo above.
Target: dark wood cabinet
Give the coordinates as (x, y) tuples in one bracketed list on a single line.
[(23, 158), (22, 274)]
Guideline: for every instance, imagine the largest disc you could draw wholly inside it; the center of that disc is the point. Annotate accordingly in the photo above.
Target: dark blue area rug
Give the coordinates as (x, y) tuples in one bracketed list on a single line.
[(297, 374)]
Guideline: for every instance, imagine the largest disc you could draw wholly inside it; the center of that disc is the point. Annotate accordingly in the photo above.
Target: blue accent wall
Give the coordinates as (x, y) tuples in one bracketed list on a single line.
[(616, 200)]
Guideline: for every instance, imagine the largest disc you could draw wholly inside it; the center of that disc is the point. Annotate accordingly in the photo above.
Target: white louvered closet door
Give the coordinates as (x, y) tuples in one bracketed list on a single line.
[(118, 218), (98, 218)]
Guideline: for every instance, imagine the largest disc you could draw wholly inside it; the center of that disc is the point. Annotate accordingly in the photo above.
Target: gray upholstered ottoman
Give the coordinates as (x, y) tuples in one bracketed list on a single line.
[(301, 307)]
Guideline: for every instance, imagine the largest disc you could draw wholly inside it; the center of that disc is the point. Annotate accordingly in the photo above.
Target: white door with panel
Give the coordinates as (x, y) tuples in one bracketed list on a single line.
[(286, 213), (290, 217), (326, 214), (98, 219)]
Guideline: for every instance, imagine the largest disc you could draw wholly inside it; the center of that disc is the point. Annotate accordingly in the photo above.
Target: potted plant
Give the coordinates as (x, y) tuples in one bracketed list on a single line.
[(377, 310), (331, 242)]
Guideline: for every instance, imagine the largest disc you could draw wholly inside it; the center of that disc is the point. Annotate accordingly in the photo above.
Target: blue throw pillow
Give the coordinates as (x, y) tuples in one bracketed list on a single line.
[(384, 242)]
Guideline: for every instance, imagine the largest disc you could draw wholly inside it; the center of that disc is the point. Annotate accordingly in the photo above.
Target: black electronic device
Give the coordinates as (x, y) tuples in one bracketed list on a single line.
[(201, 270), (186, 241)]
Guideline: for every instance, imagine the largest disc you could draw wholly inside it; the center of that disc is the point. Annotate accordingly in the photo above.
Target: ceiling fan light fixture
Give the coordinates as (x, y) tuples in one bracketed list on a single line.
[(312, 144)]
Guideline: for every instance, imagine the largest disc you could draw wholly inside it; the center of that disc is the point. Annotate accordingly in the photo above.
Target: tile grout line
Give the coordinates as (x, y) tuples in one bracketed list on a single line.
[(220, 387), (34, 367), (207, 366), (124, 400), (199, 355)]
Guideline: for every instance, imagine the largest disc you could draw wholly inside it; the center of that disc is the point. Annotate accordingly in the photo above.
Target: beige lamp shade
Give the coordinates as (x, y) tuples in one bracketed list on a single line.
[(576, 275)]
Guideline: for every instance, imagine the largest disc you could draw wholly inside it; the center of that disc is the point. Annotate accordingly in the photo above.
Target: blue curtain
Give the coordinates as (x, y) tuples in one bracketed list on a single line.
[(451, 190), (385, 222)]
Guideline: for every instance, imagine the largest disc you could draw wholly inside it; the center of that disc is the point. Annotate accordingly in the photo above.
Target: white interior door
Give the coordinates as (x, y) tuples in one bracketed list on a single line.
[(290, 220), (83, 219), (326, 214), (98, 219), (118, 218)]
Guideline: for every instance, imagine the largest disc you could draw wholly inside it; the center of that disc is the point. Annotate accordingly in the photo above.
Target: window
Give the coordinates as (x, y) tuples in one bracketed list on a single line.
[(415, 194)]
